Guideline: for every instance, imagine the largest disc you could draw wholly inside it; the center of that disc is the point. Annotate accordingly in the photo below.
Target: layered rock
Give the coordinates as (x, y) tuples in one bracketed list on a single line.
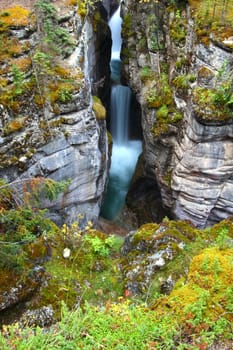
[(173, 69), (49, 128)]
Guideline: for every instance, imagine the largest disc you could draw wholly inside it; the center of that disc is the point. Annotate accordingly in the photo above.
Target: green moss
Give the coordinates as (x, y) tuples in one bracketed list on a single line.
[(160, 94), (213, 104), (146, 74), (126, 26), (145, 232), (182, 82), (87, 275), (178, 27)]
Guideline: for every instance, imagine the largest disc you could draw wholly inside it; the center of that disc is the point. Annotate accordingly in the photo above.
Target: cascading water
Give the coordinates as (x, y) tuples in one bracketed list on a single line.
[(125, 152)]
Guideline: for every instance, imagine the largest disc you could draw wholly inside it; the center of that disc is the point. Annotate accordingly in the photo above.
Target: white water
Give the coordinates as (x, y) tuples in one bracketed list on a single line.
[(125, 151), (115, 26), (120, 111)]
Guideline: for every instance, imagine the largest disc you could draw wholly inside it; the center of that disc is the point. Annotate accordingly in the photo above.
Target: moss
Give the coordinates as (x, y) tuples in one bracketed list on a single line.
[(71, 2), (86, 275), (126, 26), (23, 63), (82, 8), (205, 72), (109, 136), (213, 104), (97, 20), (14, 125), (160, 94), (145, 232), (178, 27), (146, 74), (98, 108), (16, 16), (203, 298), (183, 81)]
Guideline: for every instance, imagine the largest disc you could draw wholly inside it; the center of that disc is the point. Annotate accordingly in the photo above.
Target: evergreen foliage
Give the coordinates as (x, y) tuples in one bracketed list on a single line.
[(21, 222)]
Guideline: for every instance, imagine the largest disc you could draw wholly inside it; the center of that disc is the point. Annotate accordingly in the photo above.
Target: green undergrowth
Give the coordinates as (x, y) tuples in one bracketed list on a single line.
[(91, 272), (95, 312), (85, 283)]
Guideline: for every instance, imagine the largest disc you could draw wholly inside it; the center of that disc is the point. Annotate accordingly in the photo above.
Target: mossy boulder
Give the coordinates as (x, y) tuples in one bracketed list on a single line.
[(157, 256), (151, 251)]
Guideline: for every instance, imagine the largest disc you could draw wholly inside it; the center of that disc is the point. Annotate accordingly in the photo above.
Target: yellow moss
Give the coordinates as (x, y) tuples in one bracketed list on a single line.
[(71, 2), (205, 72), (23, 63), (3, 82), (16, 16), (210, 275), (109, 135), (7, 100), (15, 125), (61, 91), (62, 71), (39, 100), (9, 47), (218, 264), (98, 108), (82, 8)]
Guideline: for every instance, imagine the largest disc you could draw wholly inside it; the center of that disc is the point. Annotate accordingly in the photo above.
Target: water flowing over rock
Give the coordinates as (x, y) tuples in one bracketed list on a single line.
[(188, 148)]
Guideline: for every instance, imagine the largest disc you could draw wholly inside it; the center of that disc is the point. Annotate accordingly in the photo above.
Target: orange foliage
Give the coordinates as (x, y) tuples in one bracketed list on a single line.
[(23, 63), (16, 16)]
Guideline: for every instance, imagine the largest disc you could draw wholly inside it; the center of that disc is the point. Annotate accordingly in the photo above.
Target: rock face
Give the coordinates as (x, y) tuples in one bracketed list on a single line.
[(179, 77), (48, 126)]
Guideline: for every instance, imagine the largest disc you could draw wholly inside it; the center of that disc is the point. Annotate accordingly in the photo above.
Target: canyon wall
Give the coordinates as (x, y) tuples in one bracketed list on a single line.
[(178, 61), (50, 124)]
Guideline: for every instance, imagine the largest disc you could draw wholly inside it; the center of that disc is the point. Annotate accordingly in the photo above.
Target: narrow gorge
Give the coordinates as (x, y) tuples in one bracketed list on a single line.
[(116, 174)]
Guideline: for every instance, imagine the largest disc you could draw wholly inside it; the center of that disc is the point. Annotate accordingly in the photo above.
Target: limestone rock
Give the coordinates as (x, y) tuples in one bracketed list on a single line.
[(58, 136), (190, 162)]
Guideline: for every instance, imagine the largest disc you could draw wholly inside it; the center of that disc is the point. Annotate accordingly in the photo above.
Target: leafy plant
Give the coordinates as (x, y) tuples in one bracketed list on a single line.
[(100, 246), (223, 239), (18, 79)]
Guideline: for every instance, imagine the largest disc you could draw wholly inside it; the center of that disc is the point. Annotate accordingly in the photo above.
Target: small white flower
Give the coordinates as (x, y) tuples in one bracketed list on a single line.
[(66, 253)]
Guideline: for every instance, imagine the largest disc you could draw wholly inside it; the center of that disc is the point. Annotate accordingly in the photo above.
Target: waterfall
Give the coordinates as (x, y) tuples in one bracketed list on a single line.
[(115, 27), (125, 152), (120, 110)]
